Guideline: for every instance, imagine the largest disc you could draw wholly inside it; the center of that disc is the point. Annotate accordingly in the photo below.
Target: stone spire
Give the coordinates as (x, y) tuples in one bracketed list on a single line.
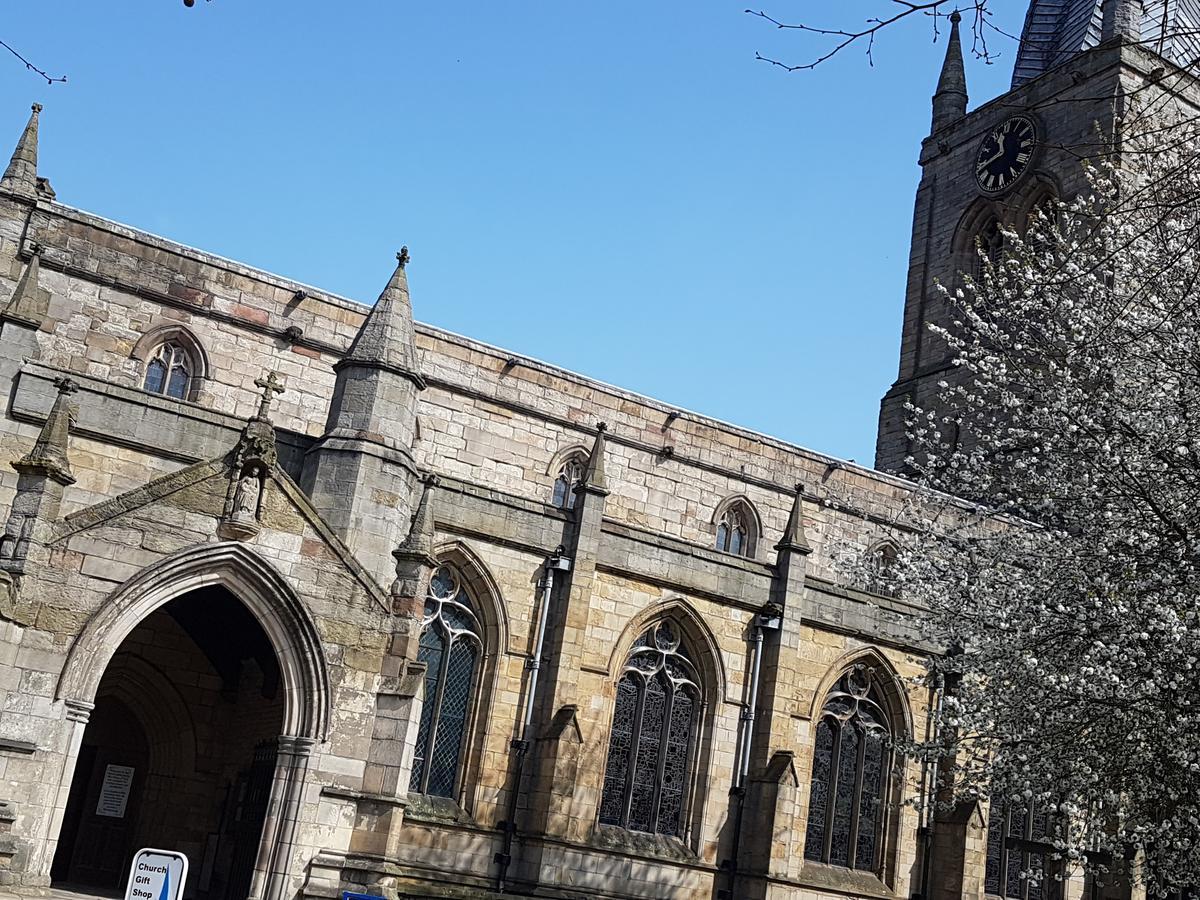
[(20, 177), (793, 534), (950, 98), (594, 479), (28, 304), (49, 454), (385, 339), (360, 475)]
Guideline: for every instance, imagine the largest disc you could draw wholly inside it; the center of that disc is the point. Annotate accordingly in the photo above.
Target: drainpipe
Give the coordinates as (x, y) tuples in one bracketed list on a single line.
[(768, 619), (928, 792), (556, 563)]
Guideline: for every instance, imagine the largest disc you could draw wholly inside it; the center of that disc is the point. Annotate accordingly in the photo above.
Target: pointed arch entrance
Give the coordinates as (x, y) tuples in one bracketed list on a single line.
[(195, 694)]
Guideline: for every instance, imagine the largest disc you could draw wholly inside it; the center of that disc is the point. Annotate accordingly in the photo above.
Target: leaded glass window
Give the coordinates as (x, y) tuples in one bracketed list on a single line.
[(1017, 843), (733, 531), (851, 765), (569, 474), (450, 647), (653, 736), (169, 371)]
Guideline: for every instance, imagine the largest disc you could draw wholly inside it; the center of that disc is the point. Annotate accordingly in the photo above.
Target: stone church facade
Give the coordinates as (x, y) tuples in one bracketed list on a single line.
[(330, 600)]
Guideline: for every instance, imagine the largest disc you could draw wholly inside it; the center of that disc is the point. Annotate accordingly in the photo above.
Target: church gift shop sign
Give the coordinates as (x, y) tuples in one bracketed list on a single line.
[(156, 875)]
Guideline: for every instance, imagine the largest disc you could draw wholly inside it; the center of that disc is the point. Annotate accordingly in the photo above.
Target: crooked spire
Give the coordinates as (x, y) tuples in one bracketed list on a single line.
[(950, 98), (49, 454), (385, 340), (20, 178)]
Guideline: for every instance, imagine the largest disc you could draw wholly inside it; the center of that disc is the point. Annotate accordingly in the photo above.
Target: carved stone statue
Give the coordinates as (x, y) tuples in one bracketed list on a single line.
[(245, 500)]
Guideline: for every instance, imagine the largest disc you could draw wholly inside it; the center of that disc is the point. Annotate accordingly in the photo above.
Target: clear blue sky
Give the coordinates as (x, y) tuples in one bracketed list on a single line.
[(618, 188)]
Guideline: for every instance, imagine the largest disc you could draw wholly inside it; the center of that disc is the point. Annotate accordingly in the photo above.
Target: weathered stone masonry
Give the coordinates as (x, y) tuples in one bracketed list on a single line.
[(268, 604)]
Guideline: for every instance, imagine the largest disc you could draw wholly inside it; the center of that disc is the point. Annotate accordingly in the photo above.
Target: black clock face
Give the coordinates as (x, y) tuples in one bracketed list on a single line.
[(1005, 154)]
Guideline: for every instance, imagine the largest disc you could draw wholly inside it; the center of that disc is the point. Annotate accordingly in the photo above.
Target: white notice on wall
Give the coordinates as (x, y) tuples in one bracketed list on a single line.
[(114, 792)]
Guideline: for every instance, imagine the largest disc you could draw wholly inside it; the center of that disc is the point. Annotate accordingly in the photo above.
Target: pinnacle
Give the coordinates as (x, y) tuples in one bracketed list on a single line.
[(385, 339), (20, 178)]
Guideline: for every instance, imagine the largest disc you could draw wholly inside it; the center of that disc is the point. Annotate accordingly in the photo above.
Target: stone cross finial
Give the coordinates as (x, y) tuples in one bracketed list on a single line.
[(270, 385), (65, 385), (402, 257)]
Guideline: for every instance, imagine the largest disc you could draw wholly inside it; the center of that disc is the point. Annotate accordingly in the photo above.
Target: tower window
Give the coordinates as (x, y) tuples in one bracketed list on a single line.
[(881, 570), (653, 735)]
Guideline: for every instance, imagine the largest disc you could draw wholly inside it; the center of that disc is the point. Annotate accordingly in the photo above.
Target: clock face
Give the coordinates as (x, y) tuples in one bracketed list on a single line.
[(1005, 153)]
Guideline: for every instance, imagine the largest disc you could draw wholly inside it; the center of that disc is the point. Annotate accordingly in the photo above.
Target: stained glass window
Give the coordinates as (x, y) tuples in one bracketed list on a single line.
[(169, 371), (653, 736), (851, 764), (1014, 838), (450, 648), (733, 532), (569, 475)]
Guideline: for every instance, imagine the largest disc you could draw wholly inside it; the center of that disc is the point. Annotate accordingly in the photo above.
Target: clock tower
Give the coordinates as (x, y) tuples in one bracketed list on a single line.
[(1079, 67)]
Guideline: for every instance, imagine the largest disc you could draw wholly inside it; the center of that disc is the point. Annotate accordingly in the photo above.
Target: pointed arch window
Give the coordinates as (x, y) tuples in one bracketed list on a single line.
[(881, 570), (736, 531), (989, 245), (1017, 843), (169, 371), (451, 646), (570, 473), (653, 738), (850, 775)]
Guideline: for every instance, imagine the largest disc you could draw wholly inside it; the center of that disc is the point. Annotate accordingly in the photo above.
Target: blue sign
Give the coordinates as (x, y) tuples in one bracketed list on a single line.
[(350, 895)]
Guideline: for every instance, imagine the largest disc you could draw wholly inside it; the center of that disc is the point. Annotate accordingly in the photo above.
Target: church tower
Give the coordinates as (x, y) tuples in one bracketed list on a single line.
[(1078, 65)]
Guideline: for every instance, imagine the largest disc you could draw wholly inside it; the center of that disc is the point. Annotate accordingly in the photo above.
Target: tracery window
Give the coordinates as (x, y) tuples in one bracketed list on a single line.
[(850, 775), (653, 737), (1014, 840), (451, 645), (733, 531), (569, 475), (169, 371)]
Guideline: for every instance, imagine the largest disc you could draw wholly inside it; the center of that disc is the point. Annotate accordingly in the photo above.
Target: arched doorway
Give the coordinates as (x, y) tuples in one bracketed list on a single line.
[(180, 749)]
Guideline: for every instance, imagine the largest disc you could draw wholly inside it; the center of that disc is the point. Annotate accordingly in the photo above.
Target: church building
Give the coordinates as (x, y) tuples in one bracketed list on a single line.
[(331, 600)]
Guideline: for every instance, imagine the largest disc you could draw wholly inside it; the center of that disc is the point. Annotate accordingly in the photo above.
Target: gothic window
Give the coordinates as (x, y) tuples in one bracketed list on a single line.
[(569, 474), (989, 245), (736, 532), (169, 371), (654, 730), (850, 774), (881, 570), (451, 645), (1014, 842)]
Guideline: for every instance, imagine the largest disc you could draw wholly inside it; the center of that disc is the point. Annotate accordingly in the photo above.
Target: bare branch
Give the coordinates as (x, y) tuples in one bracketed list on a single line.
[(31, 67)]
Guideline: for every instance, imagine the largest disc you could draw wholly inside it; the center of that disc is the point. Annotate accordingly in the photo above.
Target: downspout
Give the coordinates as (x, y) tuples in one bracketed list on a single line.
[(768, 618), (928, 791), (520, 744)]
